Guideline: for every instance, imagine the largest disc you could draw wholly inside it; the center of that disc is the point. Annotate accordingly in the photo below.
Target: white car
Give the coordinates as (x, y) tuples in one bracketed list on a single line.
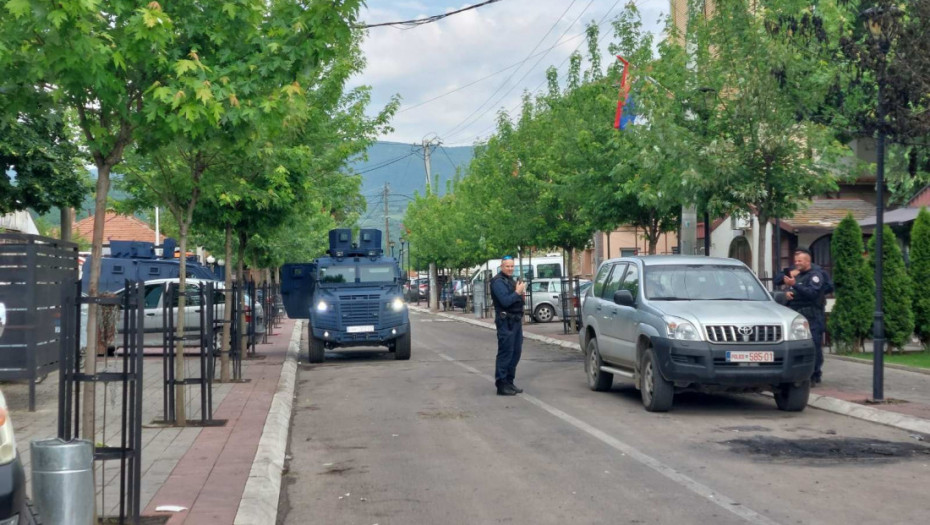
[(155, 321)]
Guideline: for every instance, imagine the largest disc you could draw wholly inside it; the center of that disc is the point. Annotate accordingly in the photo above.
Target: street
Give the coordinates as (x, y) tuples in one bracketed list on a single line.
[(379, 441)]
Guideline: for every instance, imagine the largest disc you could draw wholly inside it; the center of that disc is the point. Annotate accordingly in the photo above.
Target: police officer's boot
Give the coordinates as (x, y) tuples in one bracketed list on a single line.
[(506, 389)]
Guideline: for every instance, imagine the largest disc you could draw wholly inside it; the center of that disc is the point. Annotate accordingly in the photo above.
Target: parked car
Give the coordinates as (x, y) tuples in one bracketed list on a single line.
[(14, 506), (547, 296), (155, 323), (675, 323)]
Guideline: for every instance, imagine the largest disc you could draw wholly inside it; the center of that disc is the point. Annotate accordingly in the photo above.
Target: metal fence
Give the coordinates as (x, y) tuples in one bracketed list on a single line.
[(127, 373), (34, 273)]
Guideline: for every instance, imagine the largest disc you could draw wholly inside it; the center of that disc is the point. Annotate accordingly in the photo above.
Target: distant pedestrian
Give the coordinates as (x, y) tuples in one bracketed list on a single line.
[(808, 286), (507, 296)]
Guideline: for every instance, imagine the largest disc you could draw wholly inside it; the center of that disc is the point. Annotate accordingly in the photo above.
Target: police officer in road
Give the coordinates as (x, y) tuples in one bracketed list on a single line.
[(507, 296), (807, 287)]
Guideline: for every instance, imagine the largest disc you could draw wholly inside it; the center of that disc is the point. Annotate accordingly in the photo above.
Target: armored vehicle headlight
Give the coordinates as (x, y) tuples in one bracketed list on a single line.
[(397, 304), (7, 442), (681, 329), (800, 329), (322, 306)]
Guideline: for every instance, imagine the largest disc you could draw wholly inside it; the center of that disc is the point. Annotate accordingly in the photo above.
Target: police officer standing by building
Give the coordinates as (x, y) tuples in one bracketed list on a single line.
[(807, 286), (507, 296)]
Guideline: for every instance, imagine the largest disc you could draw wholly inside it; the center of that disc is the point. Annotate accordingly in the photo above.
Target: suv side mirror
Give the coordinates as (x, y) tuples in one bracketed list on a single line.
[(623, 298), (780, 297)]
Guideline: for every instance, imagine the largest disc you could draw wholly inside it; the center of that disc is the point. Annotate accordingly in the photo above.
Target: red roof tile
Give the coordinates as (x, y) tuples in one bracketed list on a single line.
[(118, 228)]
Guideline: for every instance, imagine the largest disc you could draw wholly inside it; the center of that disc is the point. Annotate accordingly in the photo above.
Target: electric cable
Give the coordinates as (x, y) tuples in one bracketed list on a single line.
[(508, 79), (410, 24)]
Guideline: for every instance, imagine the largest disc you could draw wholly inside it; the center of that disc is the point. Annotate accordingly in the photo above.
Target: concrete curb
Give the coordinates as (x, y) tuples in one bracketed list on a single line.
[(829, 404), (868, 362), (490, 326), (259, 502)]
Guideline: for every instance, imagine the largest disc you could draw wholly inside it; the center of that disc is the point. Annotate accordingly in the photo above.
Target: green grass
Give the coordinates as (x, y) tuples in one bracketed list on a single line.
[(915, 359)]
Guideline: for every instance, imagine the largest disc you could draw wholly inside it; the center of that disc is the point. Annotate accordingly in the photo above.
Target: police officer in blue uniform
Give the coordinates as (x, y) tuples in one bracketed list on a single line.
[(807, 285), (507, 296)]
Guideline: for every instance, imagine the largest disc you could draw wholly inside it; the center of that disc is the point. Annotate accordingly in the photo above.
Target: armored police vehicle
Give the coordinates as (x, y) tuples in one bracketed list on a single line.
[(137, 261), (352, 297)]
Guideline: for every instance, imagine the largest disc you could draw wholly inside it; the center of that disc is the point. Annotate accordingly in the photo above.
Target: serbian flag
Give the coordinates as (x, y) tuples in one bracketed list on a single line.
[(624, 99)]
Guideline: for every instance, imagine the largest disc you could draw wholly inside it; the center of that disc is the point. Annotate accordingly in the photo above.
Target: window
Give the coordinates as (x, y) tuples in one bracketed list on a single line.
[(601, 278), (337, 274), (154, 270), (539, 286), (703, 282), (380, 273), (631, 281), (152, 295), (613, 282), (117, 268), (549, 270)]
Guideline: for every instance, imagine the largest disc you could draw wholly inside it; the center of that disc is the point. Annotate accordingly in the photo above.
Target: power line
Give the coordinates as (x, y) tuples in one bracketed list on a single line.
[(527, 71), (600, 23), (410, 24), (385, 164), (511, 66), (505, 82)]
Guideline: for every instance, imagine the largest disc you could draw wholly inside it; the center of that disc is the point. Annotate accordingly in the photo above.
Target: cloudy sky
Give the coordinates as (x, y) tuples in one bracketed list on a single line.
[(487, 56)]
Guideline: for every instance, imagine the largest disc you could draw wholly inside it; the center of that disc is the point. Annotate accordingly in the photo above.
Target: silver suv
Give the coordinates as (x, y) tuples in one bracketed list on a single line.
[(547, 299), (675, 323)]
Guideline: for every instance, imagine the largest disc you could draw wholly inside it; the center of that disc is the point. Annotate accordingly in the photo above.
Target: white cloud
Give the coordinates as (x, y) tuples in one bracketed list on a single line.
[(432, 59)]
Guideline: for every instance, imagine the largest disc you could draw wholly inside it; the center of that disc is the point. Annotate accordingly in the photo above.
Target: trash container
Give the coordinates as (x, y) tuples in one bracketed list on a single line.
[(63, 481)]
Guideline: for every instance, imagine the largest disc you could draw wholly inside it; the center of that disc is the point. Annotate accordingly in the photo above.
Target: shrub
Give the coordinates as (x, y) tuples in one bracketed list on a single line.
[(851, 319)]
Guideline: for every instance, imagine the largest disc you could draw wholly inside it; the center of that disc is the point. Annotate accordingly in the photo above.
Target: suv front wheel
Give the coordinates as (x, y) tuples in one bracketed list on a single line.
[(598, 380), (657, 393), (792, 397)]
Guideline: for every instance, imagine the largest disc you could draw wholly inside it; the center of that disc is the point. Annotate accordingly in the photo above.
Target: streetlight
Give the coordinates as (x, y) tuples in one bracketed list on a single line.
[(880, 22), (708, 95), (391, 244)]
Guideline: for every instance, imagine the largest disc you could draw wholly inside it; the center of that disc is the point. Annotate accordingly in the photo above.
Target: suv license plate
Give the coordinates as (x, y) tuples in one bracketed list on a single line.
[(750, 357), (362, 328)]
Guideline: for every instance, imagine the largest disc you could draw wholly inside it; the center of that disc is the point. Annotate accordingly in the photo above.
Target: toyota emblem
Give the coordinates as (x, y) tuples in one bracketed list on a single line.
[(745, 330)]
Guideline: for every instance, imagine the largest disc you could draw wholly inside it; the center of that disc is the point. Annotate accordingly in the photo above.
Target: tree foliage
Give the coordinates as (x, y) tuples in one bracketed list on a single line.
[(920, 274), (851, 319), (897, 290)]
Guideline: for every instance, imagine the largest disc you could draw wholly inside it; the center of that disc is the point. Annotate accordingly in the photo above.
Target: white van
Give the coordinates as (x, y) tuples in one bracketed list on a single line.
[(550, 266)]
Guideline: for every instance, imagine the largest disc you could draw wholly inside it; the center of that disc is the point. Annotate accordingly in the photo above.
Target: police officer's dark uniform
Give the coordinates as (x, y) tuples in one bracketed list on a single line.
[(508, 317), (809, 301)]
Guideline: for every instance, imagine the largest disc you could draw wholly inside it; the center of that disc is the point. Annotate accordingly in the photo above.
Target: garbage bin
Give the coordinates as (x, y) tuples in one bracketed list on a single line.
[(63, 481)]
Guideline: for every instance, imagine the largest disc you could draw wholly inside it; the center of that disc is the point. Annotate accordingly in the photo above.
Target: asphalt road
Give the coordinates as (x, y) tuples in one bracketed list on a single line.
[(427, 441)]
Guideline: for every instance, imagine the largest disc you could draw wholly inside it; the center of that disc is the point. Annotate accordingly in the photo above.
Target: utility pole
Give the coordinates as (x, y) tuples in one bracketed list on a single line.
[(387, 226), (433, 274)]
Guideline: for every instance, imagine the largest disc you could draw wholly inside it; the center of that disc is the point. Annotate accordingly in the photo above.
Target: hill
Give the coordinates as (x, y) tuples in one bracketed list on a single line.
[(401, 166)]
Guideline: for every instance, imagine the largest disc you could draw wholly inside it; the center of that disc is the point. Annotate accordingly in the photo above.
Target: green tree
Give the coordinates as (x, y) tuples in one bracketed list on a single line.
[(851, 318), (920, 274), (896, 291), (766, 161), (39, 166)]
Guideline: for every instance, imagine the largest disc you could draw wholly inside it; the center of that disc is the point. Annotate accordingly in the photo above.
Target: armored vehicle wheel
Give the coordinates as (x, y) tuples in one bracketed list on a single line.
[(402, 347), (657, 393), (544, 313), (317, 349), (598, 380), (791, 397)]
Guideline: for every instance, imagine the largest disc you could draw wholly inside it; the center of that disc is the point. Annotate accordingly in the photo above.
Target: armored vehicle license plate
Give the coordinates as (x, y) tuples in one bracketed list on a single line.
[(750, 357), (365, 328)]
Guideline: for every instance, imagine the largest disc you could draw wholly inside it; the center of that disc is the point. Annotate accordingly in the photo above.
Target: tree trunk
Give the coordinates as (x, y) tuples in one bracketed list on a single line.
[(760, 246), (227, 304), (93, 288), (240, 277), (179, 387), (433, 288), (67, 220)]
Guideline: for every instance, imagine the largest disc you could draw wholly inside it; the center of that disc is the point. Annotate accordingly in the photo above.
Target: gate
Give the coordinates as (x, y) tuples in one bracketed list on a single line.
[(200, 307), (35, 272), (571, 305)]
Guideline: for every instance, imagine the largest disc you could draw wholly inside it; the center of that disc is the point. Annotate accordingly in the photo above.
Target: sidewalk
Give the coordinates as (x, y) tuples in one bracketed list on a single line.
[(204, 469), (846, 387)]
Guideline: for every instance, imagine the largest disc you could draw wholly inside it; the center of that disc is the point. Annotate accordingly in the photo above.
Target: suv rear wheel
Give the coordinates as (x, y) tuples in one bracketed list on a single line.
[(792, 397), (657, 393), (598, 380)]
